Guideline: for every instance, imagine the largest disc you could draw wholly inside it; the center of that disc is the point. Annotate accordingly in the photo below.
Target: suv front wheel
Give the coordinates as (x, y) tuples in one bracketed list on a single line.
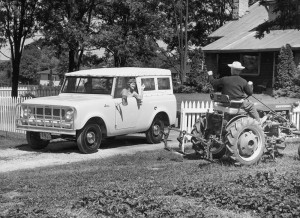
[(34, 140), (89, 138), (154, 134)]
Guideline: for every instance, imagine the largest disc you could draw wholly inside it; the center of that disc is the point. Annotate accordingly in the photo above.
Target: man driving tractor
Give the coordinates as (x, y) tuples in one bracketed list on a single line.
[(236, 88)]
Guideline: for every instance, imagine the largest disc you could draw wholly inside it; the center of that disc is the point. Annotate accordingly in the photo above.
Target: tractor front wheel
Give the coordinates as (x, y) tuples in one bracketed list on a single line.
[(245, 141)]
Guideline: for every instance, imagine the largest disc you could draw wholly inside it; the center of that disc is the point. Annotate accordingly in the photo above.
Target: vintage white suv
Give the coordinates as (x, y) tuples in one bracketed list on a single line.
[(88, 117)]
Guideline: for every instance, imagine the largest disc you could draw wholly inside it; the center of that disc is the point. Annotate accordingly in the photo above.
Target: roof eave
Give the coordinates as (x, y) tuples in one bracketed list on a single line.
[(246, 50)]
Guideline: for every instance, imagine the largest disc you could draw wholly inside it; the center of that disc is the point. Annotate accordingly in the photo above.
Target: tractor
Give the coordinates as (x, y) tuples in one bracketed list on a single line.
[(229, 131)]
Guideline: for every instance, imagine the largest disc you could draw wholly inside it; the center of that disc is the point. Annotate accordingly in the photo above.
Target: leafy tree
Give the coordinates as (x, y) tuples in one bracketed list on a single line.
[(90, 60), (17, 22), (5, 73), (36, 57), (30, 65), (208, 16), (189, 23), (69, 25), (62, 66), (287, 17), (286, 72), (129, 31), (198, 75)]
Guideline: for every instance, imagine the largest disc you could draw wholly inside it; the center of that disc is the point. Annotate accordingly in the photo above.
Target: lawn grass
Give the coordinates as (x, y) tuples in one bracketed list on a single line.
[(10, 139), (154, 184)]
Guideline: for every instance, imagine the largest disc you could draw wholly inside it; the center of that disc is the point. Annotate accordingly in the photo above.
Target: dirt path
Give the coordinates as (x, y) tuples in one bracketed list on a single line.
[(59, 153)]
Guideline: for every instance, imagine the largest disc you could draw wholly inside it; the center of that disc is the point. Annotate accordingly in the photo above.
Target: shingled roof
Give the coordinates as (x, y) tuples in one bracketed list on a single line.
[(239, 35)]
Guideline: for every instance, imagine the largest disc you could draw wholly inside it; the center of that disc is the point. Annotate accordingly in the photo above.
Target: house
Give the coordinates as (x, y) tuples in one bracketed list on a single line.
[(236, 40), (45, 77)]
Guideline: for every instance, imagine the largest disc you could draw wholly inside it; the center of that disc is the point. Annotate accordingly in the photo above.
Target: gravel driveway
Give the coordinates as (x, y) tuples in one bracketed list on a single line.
[(62, 152)]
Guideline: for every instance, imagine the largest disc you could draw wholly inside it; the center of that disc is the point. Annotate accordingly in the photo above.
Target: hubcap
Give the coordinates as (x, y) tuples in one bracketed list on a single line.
[(91, 137), (156, 130), (248, 143)]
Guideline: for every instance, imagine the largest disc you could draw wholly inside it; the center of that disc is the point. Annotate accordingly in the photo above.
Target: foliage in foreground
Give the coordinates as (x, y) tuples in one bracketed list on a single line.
[(266, 194), (125, 203), (153, 184)]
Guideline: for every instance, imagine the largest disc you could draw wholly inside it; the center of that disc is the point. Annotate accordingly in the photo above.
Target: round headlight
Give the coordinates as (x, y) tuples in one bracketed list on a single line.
[(69, 115), (26, 112)]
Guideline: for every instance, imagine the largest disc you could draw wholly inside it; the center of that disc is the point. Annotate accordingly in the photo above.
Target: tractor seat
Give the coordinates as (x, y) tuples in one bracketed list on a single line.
[(224, 104)]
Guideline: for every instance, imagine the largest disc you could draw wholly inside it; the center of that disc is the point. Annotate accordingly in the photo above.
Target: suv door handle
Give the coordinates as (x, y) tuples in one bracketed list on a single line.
[(106, 105)]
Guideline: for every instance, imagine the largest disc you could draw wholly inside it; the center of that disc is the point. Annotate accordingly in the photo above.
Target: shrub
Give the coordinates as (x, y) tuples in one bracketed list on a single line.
[(287, 75), (27, 95), (184, 89), (198, 75)]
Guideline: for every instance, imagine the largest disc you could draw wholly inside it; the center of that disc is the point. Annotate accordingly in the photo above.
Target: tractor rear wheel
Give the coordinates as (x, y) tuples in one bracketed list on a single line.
[(245, 141)]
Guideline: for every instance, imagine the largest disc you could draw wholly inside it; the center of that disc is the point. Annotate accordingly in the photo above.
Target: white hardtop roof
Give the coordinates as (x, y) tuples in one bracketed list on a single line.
[(121, 71)]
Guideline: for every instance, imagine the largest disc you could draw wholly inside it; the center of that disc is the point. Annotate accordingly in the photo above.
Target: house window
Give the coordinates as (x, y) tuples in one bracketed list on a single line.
[(251, 62)]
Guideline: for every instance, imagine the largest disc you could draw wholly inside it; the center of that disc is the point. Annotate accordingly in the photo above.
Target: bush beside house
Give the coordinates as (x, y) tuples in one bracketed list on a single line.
[(287, 74)]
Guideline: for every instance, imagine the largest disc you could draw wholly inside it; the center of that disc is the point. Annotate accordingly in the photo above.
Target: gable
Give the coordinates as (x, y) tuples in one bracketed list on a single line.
[(256, 15), (248, 42), (240, 35)]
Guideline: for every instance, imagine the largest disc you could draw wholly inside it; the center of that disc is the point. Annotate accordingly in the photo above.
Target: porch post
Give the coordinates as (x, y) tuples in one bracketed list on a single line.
[(274, 68)]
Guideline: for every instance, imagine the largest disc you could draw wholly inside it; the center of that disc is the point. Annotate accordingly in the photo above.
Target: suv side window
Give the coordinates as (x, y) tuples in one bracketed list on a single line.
[(163, 83), (120, 85), (149, 84)]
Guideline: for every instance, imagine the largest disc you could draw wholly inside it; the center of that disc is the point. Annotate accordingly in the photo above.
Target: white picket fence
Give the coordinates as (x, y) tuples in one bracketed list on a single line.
[(8, 112), (6, 91), (191, 111)]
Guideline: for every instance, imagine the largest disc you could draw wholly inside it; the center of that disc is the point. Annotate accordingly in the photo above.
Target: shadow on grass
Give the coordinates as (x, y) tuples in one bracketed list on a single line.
[(190, 154), (67, 146)]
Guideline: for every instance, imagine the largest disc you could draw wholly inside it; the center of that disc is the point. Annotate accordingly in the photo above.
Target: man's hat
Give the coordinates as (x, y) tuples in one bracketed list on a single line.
[(236, 65)]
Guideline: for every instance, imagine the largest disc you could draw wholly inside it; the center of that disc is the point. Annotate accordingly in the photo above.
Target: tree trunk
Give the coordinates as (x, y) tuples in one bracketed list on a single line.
[(15, 76), (73, 60)]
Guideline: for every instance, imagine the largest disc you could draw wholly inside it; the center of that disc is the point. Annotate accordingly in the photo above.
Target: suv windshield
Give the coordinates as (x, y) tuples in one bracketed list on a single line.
[(88, 85)]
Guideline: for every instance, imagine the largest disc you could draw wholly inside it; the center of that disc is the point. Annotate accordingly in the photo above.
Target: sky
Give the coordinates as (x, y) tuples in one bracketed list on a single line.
[(5, 51)]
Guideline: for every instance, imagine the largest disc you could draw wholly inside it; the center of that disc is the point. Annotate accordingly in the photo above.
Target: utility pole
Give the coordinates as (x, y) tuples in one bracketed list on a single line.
[(186, 40), (181, 43)]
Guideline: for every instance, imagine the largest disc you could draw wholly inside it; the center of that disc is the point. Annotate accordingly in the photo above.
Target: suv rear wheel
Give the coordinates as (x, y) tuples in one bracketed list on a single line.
[(154, 134), (89, 138)]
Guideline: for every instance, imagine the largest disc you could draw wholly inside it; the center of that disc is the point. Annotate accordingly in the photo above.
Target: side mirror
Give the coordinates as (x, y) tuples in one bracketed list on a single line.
[(124, 100)]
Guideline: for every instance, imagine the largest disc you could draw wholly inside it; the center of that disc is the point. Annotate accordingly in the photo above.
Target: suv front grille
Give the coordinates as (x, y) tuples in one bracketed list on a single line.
[(44, 116)]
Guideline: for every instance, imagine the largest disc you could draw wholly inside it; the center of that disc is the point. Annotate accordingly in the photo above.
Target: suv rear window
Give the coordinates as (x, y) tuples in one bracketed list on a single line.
[(163, 83)]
